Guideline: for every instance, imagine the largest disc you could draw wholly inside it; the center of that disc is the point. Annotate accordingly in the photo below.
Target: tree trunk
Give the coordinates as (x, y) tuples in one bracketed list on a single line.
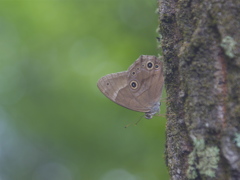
[(201, 50)]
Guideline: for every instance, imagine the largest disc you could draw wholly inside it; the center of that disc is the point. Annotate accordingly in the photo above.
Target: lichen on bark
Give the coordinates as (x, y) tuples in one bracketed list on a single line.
[(203, 160)]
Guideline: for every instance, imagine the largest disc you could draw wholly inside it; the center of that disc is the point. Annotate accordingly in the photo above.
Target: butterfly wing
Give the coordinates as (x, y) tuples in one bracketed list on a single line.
[(115, 87), (120, 87), (147, 71)]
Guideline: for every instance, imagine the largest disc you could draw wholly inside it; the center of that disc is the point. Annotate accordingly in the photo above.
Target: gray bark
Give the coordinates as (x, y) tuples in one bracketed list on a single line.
[(200, 42)]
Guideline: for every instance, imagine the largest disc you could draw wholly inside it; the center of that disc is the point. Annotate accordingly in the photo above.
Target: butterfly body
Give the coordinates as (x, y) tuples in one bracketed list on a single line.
[(139, 88)]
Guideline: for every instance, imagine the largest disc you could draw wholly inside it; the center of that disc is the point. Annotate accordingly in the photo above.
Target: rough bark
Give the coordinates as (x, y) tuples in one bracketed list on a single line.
[(201, 50)]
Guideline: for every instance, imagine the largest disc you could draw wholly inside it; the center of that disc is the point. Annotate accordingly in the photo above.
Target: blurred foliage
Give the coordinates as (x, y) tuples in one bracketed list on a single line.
[(54, 122)]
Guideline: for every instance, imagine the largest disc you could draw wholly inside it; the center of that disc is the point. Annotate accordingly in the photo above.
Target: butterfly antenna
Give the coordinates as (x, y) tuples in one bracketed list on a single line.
[(139, 120), (127, 125), (134, 123)]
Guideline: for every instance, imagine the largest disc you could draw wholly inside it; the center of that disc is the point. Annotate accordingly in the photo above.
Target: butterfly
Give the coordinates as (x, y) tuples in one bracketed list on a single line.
[(139, 88)]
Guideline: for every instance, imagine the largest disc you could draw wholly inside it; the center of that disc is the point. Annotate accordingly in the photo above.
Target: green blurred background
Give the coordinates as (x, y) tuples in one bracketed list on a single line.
[(54, 122)]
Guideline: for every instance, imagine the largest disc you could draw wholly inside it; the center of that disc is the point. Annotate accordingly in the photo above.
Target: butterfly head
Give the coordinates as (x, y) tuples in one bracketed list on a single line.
[(155, 109)]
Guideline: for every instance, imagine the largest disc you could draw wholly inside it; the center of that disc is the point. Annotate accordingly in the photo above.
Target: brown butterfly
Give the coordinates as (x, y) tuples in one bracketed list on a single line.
[(139, 88)]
